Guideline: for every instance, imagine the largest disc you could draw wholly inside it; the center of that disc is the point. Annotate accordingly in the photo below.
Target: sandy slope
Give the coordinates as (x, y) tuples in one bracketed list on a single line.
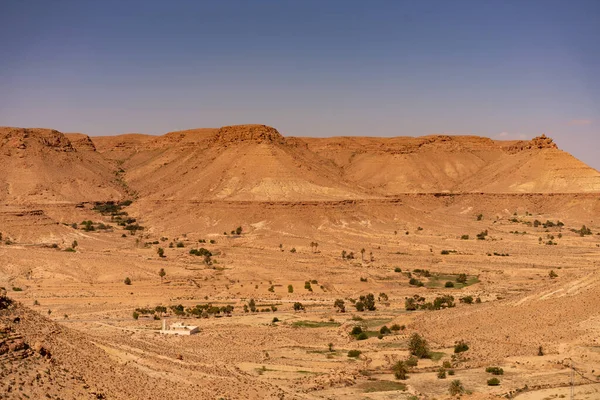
[(41, 165)]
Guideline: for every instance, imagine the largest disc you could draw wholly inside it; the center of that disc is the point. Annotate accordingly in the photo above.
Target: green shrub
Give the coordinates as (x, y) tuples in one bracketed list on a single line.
[(357, 330), (415, 282), (449, 284), (466, 299), (493, 382), (396, 327), (136, 315), (411, 361), (460, 347), (494, 370), (362, 336), (354, 353), (180, 244), (441, 374), (384, 330), (127, 281), (464, 237), (397, 269)]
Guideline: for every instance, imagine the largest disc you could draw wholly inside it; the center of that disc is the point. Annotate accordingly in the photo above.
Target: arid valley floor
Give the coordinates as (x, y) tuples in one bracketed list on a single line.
[(495, 245)]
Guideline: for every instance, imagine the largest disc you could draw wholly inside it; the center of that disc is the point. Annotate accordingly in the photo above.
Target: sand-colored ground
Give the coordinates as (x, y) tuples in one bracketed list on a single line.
[(76, 306)]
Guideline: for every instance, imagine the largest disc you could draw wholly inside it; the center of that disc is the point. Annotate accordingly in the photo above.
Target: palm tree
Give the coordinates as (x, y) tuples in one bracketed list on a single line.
[(456, 387)]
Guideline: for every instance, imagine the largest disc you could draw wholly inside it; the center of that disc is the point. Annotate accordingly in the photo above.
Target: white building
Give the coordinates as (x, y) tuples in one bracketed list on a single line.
[(178, 328)]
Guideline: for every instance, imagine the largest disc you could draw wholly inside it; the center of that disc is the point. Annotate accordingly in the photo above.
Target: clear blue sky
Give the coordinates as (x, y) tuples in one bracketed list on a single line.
[(309, 68)]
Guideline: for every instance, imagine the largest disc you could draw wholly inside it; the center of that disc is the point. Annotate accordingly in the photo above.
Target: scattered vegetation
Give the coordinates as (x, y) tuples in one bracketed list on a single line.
[(354, 353), (494, 370), (482, 235), (460, 347), (418, 347), (456, 388), (493, 382)]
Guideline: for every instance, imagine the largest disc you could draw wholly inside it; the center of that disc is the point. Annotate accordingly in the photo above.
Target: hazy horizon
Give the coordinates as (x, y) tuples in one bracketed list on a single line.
[(501, 69)]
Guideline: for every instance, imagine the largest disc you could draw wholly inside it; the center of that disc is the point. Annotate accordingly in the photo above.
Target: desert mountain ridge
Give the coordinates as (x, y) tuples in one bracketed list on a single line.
[(257, 163)]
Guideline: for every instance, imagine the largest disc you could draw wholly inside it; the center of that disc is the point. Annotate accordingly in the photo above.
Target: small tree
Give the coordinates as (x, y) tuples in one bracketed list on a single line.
[(127, 281), (238, 230), (552, 274), (298, 306), (362, 254), (162, 274), (368, 301), (290, 289), (343, 254), (161, 252), (73, 245), (456, 387), (339, 304), (462, 278), (400, 370), (418, 346)]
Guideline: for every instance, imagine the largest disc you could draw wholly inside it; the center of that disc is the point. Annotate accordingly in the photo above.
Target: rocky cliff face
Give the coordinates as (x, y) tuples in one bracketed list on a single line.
[(33, 138), (248, 133), (81, 142), (538, 142)]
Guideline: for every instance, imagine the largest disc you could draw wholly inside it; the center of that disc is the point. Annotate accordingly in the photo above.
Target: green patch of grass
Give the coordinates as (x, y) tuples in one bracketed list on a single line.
[(392, 345), (382, 386), (439, 281), (436, 355), (309, 372), (334, 353), (371, 323), (315, 324)]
